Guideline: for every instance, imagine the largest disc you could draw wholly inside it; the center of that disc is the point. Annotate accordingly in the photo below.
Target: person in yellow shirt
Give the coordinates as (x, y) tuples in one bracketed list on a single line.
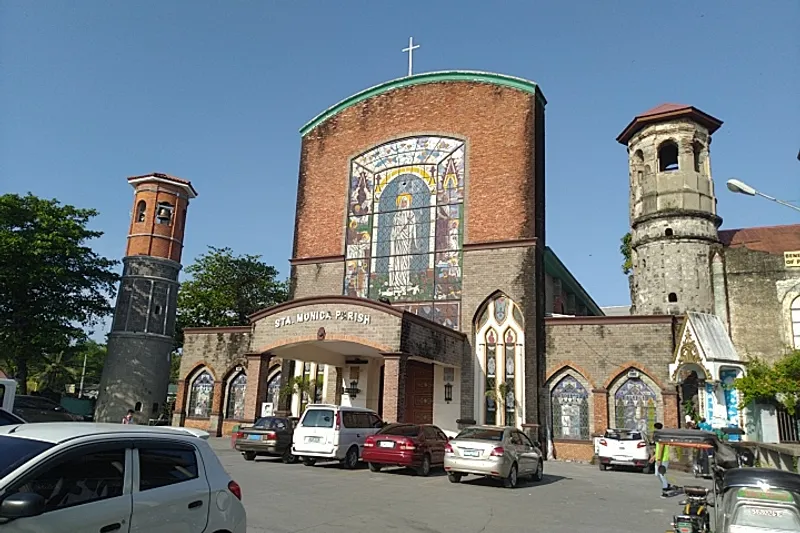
[(661, 458)]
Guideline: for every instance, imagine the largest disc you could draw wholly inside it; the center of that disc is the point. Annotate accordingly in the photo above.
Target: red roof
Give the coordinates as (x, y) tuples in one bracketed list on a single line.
[(666, 112), (167, 177), (769, 239)]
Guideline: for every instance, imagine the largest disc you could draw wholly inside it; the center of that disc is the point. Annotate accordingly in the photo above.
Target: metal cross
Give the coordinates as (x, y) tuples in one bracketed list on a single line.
[(410, 51)]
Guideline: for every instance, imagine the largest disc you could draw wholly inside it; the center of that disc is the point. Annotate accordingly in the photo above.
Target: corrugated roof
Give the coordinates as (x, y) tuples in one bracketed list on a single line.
[(664, 108), (665, 112), (712, 337), (167, 177), (769, 239)]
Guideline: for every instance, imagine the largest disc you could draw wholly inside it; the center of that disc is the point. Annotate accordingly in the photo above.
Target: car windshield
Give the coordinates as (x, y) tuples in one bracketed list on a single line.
[(318, 418), (402, 430), (767, 518), (16, 451), (481, 434)]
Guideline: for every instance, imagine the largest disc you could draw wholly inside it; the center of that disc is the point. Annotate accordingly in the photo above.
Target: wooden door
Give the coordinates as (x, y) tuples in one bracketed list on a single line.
[(419, 393)]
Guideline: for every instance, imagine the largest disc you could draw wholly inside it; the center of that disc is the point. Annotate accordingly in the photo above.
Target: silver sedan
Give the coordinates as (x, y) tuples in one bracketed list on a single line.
[(493, 451)]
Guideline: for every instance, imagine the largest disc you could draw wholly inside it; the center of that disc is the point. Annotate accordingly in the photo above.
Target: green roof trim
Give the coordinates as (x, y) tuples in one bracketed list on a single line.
[(427, 77), (557, 269)]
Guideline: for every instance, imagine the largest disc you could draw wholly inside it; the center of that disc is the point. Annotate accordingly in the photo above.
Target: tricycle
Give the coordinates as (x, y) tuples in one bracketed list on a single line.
[(759, 500)]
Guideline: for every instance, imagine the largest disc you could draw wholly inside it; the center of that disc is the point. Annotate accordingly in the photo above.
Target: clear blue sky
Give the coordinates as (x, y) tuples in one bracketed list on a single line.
[(215, 92)]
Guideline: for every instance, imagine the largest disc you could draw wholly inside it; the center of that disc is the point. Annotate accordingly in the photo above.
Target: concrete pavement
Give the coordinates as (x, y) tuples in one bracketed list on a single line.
[(572, 498)]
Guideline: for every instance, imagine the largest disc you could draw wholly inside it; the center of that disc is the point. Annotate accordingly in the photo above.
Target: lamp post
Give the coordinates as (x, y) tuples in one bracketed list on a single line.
[(741, 187)]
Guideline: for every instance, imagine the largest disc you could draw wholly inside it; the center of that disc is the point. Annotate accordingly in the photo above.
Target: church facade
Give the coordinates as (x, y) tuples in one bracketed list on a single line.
[(422, 286)]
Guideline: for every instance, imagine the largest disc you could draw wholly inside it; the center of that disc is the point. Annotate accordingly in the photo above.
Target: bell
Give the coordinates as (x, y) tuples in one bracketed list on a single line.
[(163, 212)]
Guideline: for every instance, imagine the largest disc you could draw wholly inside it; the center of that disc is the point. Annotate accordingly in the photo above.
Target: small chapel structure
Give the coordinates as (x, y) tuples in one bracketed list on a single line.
[(422, 286)]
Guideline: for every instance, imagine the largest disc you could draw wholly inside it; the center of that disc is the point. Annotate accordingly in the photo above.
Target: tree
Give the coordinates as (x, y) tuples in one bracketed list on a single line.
[(772, 382), (52, 284), (225, 289), (625, 250)]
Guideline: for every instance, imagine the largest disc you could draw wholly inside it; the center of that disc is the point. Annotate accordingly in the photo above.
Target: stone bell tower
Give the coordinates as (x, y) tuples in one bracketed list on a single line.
[(137, 368), (673, 209)]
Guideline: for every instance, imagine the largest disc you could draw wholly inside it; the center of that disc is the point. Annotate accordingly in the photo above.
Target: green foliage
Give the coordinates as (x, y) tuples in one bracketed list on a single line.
[(625, 250), (770, 382), (298, 384), (225, 289), (54, 371), (175, 367), (52, 285)]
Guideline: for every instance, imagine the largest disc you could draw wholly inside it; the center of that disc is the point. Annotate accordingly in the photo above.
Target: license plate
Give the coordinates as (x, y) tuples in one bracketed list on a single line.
[(314, 439), (254, 437), (386, 444), (470, 453)]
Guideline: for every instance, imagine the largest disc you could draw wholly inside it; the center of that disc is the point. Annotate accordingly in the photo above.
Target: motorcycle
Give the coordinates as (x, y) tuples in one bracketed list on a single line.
[(695, 517)]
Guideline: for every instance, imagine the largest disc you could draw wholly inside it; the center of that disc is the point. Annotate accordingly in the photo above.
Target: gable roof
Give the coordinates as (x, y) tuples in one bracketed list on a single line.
[(769, 239)]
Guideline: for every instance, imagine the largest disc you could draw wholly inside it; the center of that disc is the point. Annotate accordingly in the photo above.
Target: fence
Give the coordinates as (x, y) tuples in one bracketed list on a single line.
[(788, 426)]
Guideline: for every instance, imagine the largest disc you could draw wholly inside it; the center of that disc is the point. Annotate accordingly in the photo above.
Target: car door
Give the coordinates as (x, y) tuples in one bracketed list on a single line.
[(170, 490), (283, 430), (441, 440), (432, 444), (87, 489), (530, 453)]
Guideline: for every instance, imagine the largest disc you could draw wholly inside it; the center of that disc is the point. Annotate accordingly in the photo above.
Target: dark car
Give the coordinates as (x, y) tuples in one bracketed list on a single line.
[(40, 409), (417, 446), (9, 419), (270, 436)]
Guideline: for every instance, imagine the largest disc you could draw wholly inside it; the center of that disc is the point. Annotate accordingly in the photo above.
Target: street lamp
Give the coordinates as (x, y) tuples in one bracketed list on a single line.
[(741, 187)]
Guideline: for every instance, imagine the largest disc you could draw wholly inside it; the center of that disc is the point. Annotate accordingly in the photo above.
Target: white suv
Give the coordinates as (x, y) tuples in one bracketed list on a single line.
[(334, 432), (81, 477)]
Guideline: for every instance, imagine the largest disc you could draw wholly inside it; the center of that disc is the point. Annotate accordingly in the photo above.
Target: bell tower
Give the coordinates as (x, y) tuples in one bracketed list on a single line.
[(137, 368), (673, 209)]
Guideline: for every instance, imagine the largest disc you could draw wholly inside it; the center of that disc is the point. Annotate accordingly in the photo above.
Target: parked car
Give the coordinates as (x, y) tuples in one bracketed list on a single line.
[(623, 447), (270, 436), (7, 418), (40, 409), (493, 451), (87, 477), (417, 446), (334, 433)]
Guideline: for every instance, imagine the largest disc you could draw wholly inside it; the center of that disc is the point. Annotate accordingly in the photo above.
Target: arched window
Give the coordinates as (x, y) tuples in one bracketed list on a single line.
[(635, 405), (274, 389), (201, 394), (164, 213), (501, 351), (697, 152), (668, 156), (237, 388), (796, 322), (569, 402), (672, 298), (141, 211)]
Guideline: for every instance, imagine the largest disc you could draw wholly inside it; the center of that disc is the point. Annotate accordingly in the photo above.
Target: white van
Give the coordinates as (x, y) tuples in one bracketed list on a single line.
[(334, 433)]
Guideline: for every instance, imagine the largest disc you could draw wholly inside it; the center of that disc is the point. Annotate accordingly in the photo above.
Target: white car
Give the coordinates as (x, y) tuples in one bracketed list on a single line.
[(334, 433), (623, 447), (84, 477)]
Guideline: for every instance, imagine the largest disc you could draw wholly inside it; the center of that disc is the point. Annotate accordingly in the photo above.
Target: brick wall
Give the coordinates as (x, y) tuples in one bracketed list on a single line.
[(160, 240), (497, 122), (599, 351), (760, 291)]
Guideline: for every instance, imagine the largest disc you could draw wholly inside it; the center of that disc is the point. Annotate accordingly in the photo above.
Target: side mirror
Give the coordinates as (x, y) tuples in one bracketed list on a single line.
[(22, 505)]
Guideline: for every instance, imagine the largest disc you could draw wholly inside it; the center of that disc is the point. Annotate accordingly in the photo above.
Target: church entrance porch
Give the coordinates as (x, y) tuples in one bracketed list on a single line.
[(361, 353)]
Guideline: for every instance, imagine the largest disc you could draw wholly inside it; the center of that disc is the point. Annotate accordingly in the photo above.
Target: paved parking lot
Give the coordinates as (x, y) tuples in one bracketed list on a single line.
[(326, 499)]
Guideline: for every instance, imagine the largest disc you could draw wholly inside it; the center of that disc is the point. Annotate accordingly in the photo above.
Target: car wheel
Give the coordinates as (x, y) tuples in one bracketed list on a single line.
[(351, 459), (424, 469), (511, 481), (539, 474), (453, 477), (288, 458), (602, 467), (249, 456), (309, 461), (375, 467)]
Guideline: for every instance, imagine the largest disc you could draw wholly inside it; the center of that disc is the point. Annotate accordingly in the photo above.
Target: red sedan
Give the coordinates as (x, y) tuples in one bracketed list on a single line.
[(417, 446)]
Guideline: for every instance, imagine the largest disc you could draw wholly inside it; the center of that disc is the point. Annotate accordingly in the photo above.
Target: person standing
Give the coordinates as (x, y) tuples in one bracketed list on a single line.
[(128, 418), (661, 459)]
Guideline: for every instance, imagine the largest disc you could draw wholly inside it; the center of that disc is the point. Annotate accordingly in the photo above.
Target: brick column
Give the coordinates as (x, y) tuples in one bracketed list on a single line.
[(671, 415), (600, 415), (179, 412), (394, 387), (256, 392), (215, 421)]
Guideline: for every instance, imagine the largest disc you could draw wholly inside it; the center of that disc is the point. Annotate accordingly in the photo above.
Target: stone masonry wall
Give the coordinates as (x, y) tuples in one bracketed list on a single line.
[(760, 292), (317, 279), (218, 349), (438, 344)]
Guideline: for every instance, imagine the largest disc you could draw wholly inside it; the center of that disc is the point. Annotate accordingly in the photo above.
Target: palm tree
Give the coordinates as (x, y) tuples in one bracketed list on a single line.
[(298, 384), (57, 370)]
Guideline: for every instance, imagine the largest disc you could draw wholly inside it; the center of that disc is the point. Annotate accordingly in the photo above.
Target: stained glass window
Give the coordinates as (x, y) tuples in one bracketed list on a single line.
[(274, 389), (569, 402), (510, 364), (796, 322), (236, 392), (405, 226), (491, 377), (635, 405), (201, 395)]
